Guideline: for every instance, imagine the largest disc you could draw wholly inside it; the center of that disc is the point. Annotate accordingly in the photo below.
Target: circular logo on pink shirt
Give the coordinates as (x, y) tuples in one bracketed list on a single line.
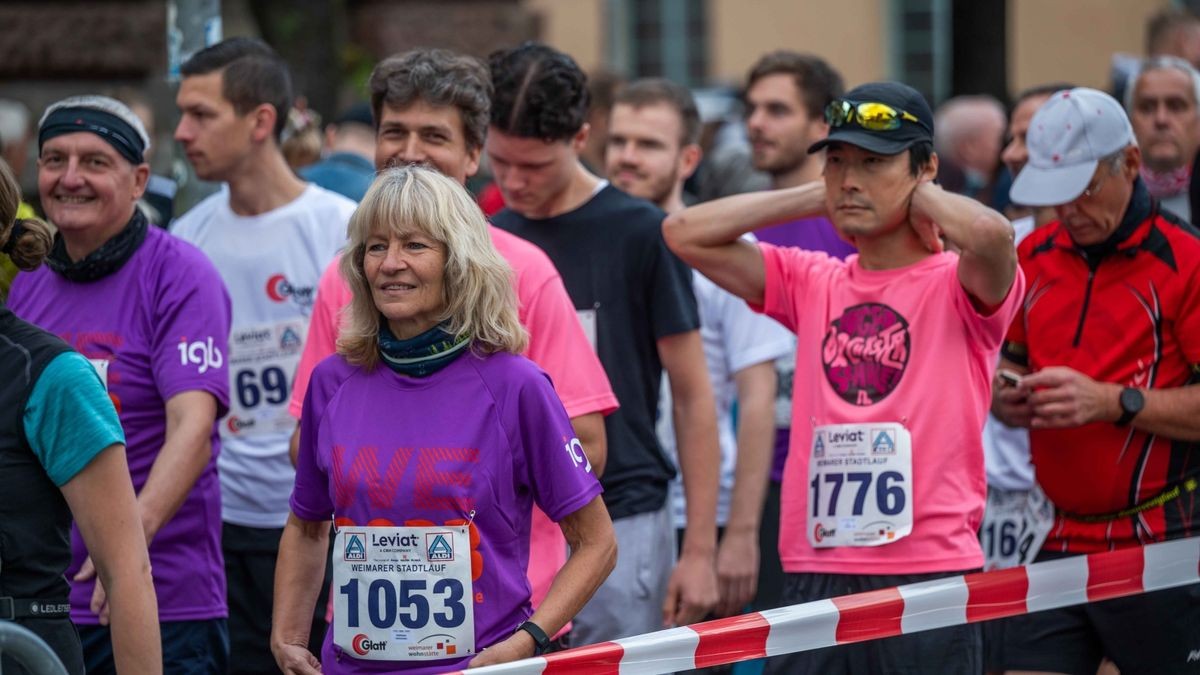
[(866, 352)]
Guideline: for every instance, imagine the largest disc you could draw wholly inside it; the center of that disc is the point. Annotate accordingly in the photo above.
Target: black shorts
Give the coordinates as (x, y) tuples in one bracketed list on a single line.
[(951, 650), (1155, 632)]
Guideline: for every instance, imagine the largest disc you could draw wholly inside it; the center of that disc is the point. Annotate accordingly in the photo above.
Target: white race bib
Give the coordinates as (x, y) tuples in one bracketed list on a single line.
[(262, 367), (859, 485), (587, 319), (101, 366), (403, 593), (1015, 525)]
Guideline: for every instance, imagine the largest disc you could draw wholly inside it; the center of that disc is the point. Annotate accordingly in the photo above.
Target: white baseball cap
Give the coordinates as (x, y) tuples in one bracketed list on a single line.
[(1067, 137)]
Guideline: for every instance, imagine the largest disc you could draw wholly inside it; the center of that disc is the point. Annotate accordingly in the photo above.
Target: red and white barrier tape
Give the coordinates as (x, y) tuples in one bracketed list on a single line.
[(893, 611)]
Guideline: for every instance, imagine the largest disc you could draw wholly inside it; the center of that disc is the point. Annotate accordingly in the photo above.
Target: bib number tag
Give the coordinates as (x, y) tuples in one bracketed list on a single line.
[(403, 593), (1015, 525), (587, 320), (262, 365), (101, 366), (859, 485)]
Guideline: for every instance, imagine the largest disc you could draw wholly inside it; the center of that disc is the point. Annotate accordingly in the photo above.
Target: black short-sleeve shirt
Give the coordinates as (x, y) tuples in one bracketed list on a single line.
[(619, 273)]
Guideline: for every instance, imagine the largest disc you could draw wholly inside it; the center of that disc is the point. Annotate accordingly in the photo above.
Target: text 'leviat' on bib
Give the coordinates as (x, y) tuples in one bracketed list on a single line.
[(403, 593), (262, 363), (859, 485)]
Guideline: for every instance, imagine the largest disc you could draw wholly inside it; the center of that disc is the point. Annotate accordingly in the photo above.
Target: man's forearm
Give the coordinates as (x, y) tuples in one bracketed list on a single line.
[(185, 453), (755, 445), (722, 221), (1170, 413), (984, 238), (699, 461)]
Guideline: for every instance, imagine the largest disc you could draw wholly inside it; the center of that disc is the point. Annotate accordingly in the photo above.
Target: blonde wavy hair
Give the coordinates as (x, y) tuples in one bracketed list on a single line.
[(477, 289)]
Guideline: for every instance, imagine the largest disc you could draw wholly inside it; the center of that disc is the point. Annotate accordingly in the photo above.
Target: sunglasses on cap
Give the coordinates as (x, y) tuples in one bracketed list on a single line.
[(870, 116)]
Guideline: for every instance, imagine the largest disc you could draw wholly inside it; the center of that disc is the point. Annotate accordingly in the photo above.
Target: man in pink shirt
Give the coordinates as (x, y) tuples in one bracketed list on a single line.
[(885, 482), (432, 107)]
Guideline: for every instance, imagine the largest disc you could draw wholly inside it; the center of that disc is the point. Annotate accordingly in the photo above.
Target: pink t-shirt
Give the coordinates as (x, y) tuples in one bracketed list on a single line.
[(859, 333), (556, 343)]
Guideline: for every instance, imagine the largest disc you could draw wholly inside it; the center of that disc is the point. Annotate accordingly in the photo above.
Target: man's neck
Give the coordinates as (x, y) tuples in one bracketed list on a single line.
[(263, 183), (577, 193), (82, 243), (899, 248), (805, 172), (673, 202)]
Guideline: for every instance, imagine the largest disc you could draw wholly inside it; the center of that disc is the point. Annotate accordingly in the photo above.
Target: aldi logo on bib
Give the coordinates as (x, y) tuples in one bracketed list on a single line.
[(439, 548), (356, 547), (882, 442)]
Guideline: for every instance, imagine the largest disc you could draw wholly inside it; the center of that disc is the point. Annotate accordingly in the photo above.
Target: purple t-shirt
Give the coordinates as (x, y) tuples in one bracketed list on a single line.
[(161, 323), (484, 434), (810, 234)]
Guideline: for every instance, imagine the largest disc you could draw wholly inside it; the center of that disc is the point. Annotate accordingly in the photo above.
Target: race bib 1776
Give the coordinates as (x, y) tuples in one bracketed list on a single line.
[(859, 485)]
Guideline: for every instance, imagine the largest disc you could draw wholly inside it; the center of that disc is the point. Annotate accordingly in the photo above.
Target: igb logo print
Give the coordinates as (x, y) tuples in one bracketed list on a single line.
[(866, 352)]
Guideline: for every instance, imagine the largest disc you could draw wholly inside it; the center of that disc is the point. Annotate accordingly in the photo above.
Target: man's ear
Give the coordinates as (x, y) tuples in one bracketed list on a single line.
[(579, 140), (265, 116), (930, 170), (1132, 163), (689, 159)]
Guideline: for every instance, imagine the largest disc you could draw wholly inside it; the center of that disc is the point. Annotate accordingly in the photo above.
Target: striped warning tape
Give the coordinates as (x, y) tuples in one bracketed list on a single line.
[(869, 616)]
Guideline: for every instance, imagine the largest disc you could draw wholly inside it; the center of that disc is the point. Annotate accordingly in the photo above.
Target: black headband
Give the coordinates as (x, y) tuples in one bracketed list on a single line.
[(114, 130), (14, 234)]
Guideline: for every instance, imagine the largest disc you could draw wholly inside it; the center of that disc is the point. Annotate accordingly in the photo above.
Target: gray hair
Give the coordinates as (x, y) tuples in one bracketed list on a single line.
[(1163, 63), (104, 104), (14, 121), (958, 118)]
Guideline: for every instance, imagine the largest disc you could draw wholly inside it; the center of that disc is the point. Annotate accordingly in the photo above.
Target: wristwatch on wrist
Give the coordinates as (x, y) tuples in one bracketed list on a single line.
[(540, 639), (1132, 401)]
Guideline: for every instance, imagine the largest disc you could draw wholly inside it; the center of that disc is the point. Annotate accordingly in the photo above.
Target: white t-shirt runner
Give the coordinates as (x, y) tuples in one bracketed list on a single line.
[(271, 264)]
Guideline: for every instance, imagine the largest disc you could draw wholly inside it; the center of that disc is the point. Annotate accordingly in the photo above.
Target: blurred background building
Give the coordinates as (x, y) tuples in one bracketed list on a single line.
[(53, 48)]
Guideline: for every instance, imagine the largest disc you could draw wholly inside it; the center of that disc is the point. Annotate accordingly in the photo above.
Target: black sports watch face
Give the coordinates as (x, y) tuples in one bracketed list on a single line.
[(1132, 402)]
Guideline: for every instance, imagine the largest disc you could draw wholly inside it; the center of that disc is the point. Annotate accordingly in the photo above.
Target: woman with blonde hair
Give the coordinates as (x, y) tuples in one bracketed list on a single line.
[(427, 439), (62, 455)]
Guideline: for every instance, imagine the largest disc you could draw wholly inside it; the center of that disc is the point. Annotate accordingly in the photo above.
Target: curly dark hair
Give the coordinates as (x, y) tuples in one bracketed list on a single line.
[(539, 92)]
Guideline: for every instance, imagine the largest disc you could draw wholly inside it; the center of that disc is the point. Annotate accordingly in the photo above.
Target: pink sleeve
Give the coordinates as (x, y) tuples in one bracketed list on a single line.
[(332, 297), (558, 345), (989, 329), (786, 274)]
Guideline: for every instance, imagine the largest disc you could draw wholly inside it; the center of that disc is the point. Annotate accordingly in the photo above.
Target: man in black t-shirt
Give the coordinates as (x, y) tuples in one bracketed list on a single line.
[(635, 301)]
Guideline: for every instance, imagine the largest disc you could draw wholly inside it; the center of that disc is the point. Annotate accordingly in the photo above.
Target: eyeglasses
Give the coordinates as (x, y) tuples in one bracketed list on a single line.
[(870, 116), (1093, 187)]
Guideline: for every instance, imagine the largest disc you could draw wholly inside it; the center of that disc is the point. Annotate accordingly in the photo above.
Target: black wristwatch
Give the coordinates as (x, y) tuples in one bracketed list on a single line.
[(1132, 401), (540, 639)]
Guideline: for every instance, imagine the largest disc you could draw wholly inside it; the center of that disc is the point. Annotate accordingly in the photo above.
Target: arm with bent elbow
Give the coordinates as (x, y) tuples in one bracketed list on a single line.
[(708, 236), (105, 510), (589, 533)]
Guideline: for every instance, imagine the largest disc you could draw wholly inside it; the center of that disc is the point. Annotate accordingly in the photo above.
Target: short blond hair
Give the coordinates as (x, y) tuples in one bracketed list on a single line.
[(477, 287)]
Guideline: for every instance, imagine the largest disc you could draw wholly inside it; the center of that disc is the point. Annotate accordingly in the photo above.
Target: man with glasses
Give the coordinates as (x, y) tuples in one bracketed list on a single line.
[(896, 345), (1106, 345)]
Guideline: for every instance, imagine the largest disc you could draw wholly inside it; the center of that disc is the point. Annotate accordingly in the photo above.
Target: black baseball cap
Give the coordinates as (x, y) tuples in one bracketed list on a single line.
[(885, 142), (359, 113)]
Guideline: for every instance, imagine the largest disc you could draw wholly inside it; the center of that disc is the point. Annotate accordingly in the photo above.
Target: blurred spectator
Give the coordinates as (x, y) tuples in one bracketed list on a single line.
[(726, 167), (348, 167), (1016, 154), (1162, 106), (970, 130), (602, 89), (1174, 32), (15, 133), (158, 202), (301, 139)]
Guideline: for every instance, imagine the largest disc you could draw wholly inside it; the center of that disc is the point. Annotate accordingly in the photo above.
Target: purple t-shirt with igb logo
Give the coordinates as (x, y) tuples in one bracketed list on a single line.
[(486, 434), (157, 327)]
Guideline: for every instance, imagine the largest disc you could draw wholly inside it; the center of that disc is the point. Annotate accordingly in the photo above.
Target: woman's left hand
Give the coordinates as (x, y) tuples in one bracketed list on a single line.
[(519, 646)]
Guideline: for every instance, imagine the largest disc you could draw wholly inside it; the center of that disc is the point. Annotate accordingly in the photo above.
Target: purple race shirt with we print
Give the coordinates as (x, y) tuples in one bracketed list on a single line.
[(161, 322), (478, 442)]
